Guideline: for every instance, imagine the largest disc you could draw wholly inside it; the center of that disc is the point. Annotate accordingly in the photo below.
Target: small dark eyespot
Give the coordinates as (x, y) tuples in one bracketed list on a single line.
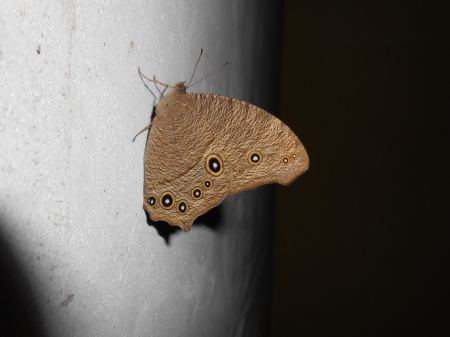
[(182, 207), (167, 200), (207, 184), (214, 165), (285, 160), (151, 200), (240, 171), (196, 193), (255, 157)]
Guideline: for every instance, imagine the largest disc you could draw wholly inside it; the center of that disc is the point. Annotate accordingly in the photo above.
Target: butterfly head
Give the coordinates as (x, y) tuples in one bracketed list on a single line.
[(167, 103), (179, 87)]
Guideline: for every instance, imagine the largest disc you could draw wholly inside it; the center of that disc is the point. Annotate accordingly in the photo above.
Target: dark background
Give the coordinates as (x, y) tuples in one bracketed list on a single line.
[(361, 239)]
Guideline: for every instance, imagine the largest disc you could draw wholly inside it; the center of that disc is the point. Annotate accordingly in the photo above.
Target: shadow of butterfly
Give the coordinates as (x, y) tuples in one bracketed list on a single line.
[(202, 147)]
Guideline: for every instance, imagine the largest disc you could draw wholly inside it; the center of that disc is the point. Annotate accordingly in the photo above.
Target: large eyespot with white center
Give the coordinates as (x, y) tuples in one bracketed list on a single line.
[(255, 157), (167, 200), (285, 160), (214, 165), (182, 207), (207, 184), (196, 193), (151, 200)]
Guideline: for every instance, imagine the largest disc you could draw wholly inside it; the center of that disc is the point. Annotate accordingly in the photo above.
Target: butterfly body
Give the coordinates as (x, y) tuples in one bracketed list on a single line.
[(202, 147)]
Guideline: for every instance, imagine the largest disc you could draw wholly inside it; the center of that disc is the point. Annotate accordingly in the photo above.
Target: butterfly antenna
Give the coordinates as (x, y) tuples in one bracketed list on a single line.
[(223, 65), (201, 52)]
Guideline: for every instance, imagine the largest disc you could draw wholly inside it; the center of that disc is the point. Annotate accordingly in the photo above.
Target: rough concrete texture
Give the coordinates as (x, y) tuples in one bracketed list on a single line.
[(76, 242)]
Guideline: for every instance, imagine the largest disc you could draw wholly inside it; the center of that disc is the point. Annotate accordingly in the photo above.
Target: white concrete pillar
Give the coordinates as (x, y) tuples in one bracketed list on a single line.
[(79, 256)]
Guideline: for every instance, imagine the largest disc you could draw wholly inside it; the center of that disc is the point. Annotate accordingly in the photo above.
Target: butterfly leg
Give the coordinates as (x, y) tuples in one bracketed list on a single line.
[(154, 79), (162, 92), (146, 128)]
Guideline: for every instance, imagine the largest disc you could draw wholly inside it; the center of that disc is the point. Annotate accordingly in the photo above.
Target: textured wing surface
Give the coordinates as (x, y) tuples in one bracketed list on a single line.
[(175, 162), (246, 130), (175, 145)]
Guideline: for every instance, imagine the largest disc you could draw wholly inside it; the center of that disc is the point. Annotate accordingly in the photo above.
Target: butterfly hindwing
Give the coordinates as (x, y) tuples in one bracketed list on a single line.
[(191, 175)]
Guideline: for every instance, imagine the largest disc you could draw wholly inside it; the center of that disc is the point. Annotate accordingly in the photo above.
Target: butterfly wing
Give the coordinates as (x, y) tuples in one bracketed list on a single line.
[(260, 148), (209, 146), (178, 186)]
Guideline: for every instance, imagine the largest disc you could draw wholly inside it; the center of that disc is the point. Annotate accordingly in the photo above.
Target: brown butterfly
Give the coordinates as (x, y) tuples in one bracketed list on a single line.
[(203, 147)]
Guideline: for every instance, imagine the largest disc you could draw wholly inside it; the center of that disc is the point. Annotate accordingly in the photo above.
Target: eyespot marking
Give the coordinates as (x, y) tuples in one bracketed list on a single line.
[(167, 200), (196, 193), (240, 171), (214, 165), (255, 157), (285, 160), (207, 184), (294, 155), (151, 200), (182, 207)]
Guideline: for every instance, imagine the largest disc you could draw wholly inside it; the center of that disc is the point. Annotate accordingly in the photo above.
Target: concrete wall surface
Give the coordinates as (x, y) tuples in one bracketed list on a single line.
[(79, 257)]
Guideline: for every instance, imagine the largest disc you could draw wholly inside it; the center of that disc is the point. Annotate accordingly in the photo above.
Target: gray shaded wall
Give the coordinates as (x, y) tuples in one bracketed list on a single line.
[(79, 255)]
